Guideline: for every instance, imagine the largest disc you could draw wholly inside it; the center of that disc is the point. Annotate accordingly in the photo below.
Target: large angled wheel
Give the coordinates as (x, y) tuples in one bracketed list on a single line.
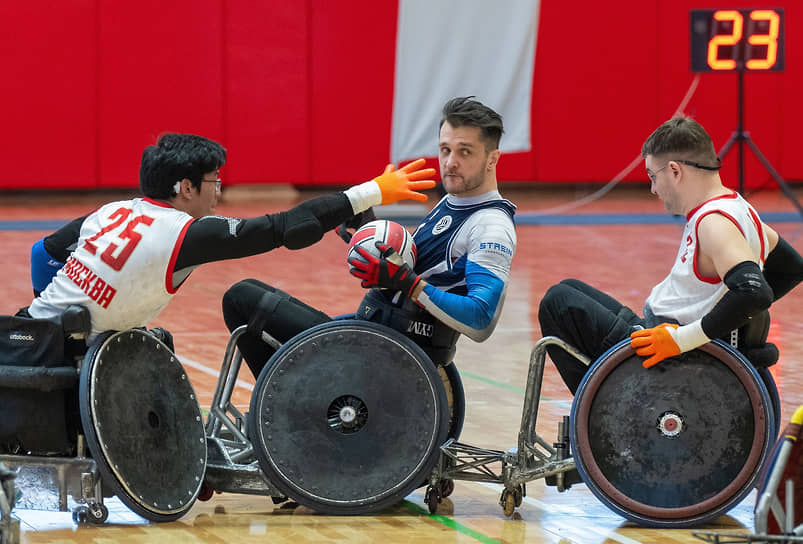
[(775, 399), (348, 417), (142, 423), (676, 445)]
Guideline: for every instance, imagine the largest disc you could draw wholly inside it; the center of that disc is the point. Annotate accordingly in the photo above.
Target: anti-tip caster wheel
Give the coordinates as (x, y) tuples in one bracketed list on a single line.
[(206, 492), (508, 502), (432, 498), (80, 515), (97, 513)]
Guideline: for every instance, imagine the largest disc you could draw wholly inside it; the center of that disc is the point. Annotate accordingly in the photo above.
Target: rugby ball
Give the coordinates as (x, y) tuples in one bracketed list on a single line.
[(389, 233)]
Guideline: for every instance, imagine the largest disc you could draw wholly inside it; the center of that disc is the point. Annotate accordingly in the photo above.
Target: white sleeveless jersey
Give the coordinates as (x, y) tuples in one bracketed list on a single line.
[(685, 295), (122, 268)]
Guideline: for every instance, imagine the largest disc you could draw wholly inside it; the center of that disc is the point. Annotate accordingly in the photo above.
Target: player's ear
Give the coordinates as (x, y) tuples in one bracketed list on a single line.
[(183, 187), (493, 159)]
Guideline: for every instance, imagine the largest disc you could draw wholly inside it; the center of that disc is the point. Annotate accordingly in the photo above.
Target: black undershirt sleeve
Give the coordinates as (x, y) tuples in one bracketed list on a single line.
[(748, 294), (783, 268), (61, 243), (217, 238)]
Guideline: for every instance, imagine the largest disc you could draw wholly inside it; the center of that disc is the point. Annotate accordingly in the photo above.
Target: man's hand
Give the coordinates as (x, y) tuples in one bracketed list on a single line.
[(660, 342), (388, 271), (346, 229), (402, 184)]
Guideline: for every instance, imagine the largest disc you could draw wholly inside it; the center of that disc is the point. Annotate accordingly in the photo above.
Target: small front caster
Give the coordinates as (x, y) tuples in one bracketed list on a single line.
[(80, 514), (97, 513), (206, 492), (508, 502), (433, 498)]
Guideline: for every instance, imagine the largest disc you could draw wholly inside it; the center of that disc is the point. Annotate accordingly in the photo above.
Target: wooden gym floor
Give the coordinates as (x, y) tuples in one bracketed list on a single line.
[(612, 243)]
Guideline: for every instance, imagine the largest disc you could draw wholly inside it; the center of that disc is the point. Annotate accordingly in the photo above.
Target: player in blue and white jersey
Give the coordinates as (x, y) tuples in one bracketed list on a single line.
[(465, 245)]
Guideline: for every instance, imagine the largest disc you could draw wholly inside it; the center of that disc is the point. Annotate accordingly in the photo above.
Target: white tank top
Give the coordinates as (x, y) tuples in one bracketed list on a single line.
[(122, 268), (685, 295)]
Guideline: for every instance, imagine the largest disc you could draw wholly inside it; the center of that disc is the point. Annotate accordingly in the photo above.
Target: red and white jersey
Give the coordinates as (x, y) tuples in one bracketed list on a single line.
[(122, 268), (685, 295)]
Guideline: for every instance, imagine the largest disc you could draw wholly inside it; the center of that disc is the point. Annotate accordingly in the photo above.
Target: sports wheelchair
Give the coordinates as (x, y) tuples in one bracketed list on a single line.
[(351, 416), (117, 418)]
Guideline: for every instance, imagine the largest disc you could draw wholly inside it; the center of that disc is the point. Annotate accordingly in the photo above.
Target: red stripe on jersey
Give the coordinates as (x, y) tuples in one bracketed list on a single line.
[(171, 265)]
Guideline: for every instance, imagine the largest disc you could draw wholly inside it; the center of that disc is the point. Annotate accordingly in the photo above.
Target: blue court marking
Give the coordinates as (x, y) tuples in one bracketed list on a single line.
[(522, 218), (535, 218), (42, 224)]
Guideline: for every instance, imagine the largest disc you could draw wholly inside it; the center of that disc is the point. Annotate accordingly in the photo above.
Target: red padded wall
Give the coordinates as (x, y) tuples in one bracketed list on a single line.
[(160, 70), (302, 92), (47, 92), (266, 109), (595, 88), (351, 80)]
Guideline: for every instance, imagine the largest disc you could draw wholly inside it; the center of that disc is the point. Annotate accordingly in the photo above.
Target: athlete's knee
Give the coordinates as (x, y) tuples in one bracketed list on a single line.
[(555, 299), (574, 284), (237, 303)]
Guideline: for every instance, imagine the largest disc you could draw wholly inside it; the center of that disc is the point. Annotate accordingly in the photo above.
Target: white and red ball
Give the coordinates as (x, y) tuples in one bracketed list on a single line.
[(389, 233)]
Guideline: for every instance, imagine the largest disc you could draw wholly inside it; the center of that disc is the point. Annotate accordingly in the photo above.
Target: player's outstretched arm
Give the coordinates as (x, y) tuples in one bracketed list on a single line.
[(218, 238)]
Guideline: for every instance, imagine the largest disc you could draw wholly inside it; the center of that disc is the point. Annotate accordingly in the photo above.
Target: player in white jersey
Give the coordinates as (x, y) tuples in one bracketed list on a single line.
[(465, 248), (131, 256), (730, 266)]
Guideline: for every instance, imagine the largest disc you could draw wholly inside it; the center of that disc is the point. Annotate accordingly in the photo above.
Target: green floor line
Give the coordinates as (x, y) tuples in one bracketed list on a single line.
[(452, 524), (498, 384)]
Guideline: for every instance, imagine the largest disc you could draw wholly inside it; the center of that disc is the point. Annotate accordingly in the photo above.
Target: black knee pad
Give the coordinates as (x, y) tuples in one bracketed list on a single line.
[(265, 308)]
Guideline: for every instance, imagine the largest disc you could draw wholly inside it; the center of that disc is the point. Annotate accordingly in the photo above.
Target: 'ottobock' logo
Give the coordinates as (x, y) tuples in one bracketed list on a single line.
[(21, 337)]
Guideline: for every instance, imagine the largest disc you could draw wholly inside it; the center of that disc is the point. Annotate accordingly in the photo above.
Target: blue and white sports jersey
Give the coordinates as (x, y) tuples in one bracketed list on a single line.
[(465, 248)]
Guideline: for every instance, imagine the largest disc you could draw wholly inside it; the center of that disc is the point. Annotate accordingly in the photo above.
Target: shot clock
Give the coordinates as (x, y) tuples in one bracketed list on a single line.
[(728, 40)]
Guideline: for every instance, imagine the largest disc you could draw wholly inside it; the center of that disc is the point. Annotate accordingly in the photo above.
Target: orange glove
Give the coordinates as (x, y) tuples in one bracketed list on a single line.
[(660, 342), (401, 184)]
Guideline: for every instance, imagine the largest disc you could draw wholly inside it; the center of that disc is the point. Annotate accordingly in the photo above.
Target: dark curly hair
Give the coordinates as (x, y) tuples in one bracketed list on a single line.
[(175, 157)]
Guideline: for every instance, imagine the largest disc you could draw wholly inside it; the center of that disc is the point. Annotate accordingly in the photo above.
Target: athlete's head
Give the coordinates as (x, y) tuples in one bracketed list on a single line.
[(175, 157), (468, 147), (682, 138), (463, 111), (681, 163)]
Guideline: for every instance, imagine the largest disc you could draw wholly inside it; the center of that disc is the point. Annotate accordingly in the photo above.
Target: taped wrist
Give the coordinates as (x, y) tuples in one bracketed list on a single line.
[(691, 336), (364, 196), (748, 294), (783, 268)]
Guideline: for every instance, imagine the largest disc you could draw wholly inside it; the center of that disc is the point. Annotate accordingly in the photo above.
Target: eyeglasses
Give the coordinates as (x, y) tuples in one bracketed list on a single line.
[(652, 175), (217, 181)]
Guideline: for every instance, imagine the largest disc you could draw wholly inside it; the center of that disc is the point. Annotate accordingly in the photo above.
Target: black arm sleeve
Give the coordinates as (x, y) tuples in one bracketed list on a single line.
[(748, 294), (217, 238), (783, 268), (61, 243)]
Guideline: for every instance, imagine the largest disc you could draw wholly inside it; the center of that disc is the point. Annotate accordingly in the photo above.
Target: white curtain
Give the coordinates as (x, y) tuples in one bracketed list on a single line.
[(449, 48)]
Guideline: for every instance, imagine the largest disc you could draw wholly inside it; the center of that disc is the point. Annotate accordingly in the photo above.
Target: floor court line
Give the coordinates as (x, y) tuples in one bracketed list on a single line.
[(451, 523)]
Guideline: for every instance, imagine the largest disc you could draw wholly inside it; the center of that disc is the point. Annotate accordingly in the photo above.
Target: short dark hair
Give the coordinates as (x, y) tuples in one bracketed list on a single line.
[(683, 138), (175, 157), (463, 111)]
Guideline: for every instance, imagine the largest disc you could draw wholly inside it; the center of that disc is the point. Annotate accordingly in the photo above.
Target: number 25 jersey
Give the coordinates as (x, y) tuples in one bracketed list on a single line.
[(122, 268)]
